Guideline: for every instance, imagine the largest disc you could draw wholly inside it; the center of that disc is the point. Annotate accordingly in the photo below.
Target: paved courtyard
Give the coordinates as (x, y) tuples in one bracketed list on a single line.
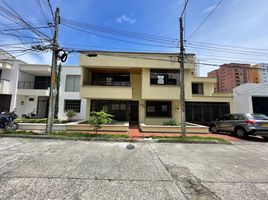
[(56, 169)]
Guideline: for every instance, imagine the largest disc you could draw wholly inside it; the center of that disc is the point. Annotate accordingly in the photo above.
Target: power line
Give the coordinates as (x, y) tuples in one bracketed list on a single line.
[(229, 46), (117, 31), (184, 8), (117, 39), (50, 8), (225, 51), (205, 19), (17, 16), (20, 29)]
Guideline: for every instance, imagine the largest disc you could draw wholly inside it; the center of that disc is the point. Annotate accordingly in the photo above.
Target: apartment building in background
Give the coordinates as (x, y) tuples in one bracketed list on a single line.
[(145, 88), (260, 73), (230, 76)]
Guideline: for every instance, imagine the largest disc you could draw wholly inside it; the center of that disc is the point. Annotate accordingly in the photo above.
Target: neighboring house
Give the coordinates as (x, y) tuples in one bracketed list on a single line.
[(251, 98), (5, 89), (230, 76), (260, 73), (70, 93), (145, 88), (33, 90)]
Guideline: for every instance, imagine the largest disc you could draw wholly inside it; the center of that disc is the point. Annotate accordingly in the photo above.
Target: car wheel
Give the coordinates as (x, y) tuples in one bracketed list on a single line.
[(213, 129), (265, 138), (240, 132)]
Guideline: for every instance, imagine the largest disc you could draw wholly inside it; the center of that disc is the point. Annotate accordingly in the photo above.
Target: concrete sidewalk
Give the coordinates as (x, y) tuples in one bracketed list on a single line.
[(51, 169)]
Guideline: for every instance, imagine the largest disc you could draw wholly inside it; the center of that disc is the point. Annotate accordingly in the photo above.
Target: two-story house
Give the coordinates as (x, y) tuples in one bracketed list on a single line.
[(145, 88)]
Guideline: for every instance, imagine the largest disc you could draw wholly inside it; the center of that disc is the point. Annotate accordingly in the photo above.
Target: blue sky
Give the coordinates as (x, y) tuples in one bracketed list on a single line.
[(240, 23)]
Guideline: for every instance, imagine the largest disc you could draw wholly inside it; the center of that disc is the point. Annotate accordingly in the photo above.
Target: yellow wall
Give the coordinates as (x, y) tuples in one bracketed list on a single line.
[(140, 89), (106, 92), (130, 60)]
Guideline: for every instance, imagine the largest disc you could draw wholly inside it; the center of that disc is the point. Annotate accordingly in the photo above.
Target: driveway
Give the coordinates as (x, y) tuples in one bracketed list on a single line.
[(51, 169)]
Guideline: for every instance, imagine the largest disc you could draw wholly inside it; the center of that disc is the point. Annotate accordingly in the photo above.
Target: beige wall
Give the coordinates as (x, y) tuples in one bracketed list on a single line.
[(140, 89), (137, 60)]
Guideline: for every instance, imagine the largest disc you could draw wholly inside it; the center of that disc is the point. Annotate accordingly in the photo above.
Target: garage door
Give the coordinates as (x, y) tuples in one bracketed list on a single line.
[(205, 112), (260, 105)]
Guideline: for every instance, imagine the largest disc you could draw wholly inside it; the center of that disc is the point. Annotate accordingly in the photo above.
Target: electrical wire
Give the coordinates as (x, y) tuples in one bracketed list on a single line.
[(119, 32), (204, 20), (117, 39)]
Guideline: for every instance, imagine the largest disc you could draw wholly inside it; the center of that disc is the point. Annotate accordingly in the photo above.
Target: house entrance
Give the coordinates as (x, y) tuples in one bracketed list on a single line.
[(42, 107), (134, 113), (121, 110)]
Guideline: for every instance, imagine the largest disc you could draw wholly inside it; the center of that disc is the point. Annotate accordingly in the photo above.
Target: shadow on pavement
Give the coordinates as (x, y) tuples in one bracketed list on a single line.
[(250, 138)]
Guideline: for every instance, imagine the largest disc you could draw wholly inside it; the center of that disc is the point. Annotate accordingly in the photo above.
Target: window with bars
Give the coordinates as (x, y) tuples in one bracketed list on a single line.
[(74, 105), (72, 83), (158, 109)]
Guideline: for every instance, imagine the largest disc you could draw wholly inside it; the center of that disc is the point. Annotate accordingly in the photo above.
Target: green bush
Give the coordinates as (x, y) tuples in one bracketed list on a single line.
[(170, 122), (96, 119)]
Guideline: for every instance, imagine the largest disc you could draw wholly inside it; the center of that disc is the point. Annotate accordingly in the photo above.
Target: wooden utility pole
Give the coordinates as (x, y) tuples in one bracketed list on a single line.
[(53, 85), (182, 93)]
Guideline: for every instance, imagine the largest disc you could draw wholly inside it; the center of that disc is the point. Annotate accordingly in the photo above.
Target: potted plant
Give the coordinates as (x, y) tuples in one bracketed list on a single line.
[(70, 114)]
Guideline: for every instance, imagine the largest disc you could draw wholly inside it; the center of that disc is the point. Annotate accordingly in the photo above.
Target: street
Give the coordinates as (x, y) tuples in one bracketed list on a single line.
[(57, 169)]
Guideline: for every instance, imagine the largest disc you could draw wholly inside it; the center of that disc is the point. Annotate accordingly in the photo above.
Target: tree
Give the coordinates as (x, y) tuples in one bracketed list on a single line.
[(58, 92), (96, 119)]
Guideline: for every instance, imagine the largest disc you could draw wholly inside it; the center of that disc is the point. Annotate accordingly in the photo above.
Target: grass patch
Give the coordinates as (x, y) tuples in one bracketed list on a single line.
[(21, 132), (87, 135), (192, 138), (71, 134), (40, 121)]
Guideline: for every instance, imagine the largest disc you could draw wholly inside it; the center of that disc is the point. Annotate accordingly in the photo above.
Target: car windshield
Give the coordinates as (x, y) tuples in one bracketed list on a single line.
[(259, 117)]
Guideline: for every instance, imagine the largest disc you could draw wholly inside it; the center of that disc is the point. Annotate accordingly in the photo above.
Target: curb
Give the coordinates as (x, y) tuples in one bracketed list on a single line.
[(106, 139)]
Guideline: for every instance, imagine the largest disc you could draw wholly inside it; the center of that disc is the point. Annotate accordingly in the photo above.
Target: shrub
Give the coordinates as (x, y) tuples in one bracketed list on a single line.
[(70, 114), (170, 122), (96, 119)]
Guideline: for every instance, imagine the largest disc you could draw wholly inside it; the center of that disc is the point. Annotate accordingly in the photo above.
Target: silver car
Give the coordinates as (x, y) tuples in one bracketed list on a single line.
[(241, 125)]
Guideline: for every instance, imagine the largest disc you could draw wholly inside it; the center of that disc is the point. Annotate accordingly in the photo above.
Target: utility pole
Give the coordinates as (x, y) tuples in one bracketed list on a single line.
[(53, 88), (182, 93)]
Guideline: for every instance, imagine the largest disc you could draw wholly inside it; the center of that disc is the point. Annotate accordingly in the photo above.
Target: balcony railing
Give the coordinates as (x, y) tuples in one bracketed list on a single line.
[(43, 85), (107, 83)]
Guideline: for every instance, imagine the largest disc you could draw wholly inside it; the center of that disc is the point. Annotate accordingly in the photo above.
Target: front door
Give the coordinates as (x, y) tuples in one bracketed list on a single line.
[(134, 113), (42, 107)]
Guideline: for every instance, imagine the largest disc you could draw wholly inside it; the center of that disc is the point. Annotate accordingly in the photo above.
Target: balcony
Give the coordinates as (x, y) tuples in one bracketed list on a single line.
[(106, 90), (35, 88), (4, 86)]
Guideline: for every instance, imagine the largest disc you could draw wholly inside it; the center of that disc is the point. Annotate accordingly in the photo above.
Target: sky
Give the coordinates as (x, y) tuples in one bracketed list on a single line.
[(235, 23)]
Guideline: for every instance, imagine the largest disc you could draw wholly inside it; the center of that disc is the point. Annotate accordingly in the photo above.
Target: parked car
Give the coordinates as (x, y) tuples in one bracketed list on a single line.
[(241, 124)]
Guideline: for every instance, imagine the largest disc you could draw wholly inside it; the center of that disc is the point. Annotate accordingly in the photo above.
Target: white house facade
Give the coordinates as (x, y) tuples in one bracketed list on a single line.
[(70, 93), (251, 98)]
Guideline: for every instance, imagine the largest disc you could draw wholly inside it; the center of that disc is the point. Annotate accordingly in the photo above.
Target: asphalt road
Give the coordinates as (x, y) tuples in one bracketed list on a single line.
[(51, 169)]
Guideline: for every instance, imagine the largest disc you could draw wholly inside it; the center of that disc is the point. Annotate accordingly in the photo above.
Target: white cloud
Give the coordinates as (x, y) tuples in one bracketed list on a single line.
[(210, 8), (44, 58), (126, 19)]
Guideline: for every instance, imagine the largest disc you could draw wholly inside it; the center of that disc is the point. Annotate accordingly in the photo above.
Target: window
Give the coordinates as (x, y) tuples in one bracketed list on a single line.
[(111, 79), (197, 88), (158, 109), (72, 105), (164, 77), (72, 83)]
